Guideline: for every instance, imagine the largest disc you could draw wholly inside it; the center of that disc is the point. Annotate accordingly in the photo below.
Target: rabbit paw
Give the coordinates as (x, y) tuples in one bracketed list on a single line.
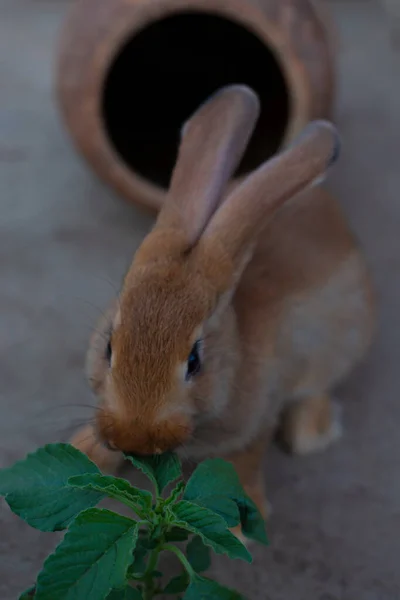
[(85, 440), (312, 425), (237, 531)]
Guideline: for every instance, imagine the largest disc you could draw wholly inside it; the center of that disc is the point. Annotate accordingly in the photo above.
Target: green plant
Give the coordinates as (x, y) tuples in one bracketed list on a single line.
[(105, 555)]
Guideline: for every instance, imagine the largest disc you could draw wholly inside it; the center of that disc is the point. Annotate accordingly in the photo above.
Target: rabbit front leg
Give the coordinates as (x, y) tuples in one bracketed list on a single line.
[(248, 464), (86, 441), (311, 424)]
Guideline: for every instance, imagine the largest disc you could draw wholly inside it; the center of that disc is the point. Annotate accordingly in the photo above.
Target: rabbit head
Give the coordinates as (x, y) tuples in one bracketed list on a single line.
[(168, 358)]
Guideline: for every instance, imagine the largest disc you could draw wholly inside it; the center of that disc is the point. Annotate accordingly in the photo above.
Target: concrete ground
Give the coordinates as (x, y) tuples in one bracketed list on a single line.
[(65, 242)]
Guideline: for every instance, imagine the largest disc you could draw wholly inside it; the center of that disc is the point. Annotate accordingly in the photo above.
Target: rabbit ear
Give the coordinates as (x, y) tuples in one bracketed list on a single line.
[(244, 214), (213, 142)]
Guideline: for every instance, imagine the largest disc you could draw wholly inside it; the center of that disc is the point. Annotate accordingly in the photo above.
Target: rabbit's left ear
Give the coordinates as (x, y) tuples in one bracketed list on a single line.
[(212, 145)]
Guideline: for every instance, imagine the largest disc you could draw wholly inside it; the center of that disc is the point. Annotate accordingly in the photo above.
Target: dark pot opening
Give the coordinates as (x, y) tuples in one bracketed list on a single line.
[(167, 70)]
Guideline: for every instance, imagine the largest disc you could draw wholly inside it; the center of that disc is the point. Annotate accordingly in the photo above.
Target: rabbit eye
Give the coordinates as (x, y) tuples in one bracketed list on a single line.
[(194, 362), (108, 352)]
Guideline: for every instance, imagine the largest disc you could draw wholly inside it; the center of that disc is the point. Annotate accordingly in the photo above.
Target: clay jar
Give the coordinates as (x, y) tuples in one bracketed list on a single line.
[(130, 72)]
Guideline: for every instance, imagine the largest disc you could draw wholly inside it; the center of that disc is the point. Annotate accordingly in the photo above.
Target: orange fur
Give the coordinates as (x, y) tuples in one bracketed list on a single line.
[(277, 290)]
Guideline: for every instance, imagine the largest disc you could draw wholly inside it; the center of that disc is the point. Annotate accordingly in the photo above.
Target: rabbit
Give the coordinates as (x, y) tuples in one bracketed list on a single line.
[(243, 307)]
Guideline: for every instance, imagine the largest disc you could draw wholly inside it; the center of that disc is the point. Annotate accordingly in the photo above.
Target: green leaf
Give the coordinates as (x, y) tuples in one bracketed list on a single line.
[(222, 505), (128, 593), (91, 560), (161, 469), (139, 557), (211, 527), (176, 492), (176, 534), (114, 487), (37, 490), (198, 554), (201, 588), (253, 525), (177, 584), (28, 594), (215, 479)]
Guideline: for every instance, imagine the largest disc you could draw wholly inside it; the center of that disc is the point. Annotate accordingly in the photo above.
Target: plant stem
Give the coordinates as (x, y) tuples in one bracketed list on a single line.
[(142, 522), (148, 576), (180, 555), (149, 586)]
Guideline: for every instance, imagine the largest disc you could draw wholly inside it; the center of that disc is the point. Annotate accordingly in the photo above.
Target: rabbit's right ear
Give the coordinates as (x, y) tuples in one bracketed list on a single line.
[(234, 229), (212, 145)]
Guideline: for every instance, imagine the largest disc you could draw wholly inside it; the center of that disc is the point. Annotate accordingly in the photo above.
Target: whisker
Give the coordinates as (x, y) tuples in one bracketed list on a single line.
[(72, 427), (101, 311), (62, 406), (52, 411), (110, 283), (94, 329), (115, 290), (88, 437)]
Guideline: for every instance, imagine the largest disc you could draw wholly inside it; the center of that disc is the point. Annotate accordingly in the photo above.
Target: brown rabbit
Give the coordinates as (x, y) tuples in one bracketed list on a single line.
[(241, 310)]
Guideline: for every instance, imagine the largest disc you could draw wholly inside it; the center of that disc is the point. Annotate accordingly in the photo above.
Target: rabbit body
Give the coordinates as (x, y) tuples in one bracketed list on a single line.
[(301, 318), (281, 300)]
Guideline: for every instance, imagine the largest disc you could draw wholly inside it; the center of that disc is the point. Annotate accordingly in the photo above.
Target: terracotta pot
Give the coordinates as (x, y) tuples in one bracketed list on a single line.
[(130, 72)]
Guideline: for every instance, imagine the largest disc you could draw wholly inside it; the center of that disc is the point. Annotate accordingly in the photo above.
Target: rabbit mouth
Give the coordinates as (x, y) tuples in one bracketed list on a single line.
[(140, 437)]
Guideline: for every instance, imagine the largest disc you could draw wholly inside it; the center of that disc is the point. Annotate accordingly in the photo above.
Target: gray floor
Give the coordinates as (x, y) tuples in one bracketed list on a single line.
[(65, 242)]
